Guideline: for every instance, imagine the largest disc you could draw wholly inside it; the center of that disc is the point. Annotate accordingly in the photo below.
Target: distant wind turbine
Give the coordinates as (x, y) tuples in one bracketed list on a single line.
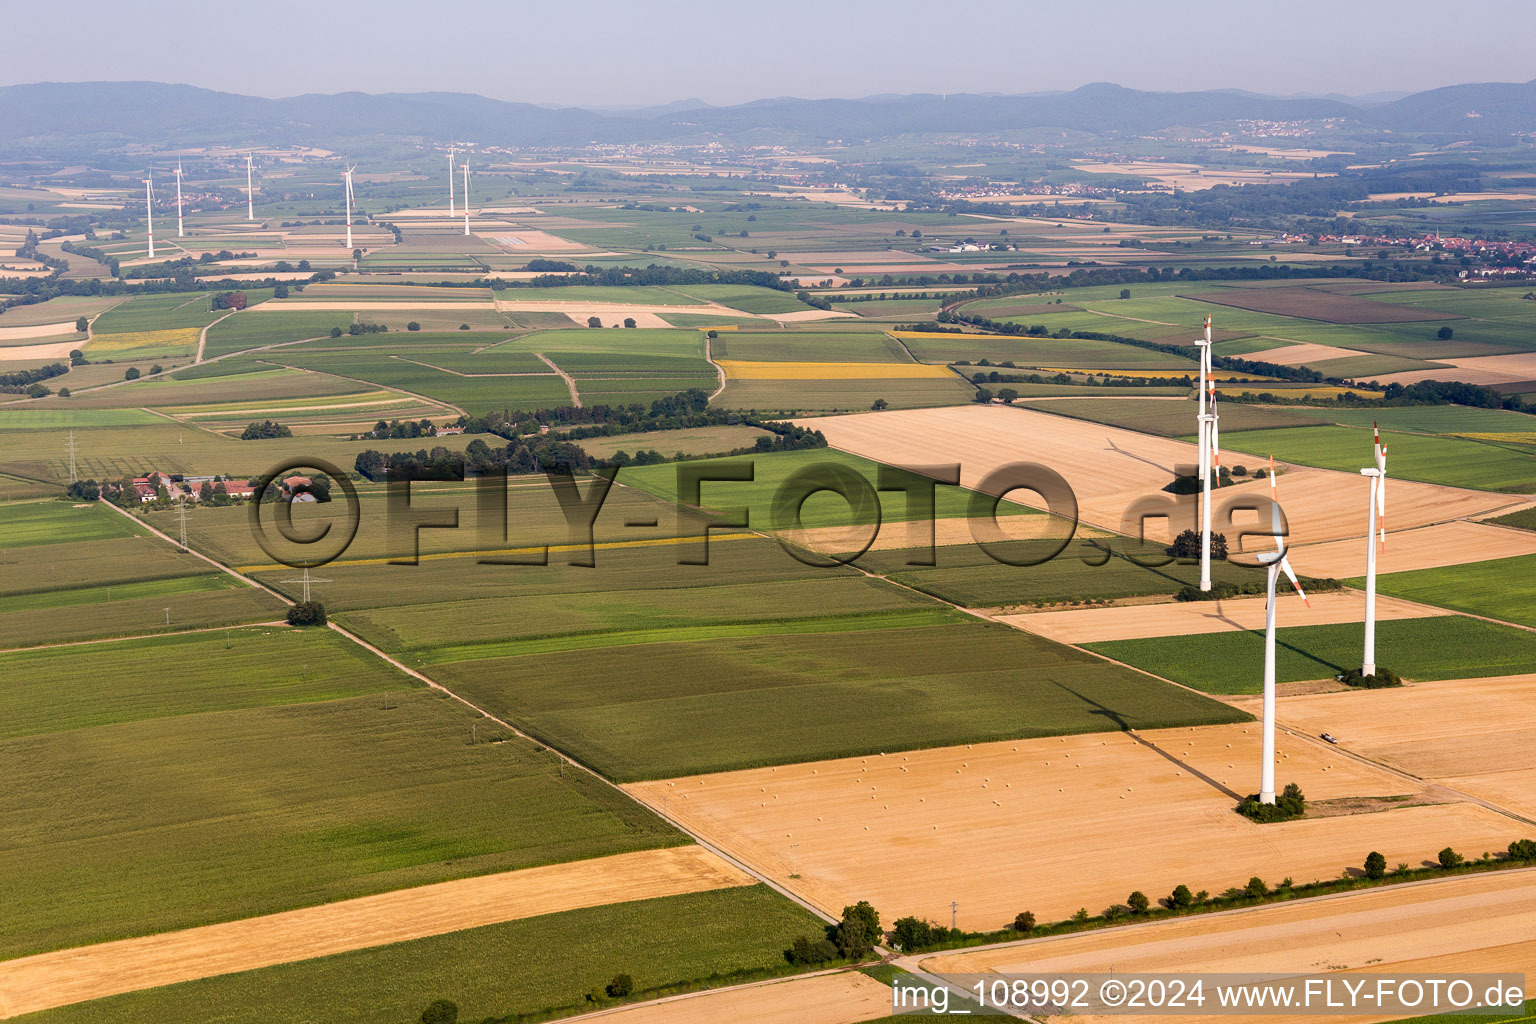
[(1277, 563), (347, 175), (450, 181), (465, 166), (179, 232), (1207, 429), (149, 210), (250, 191), (1375, 525)]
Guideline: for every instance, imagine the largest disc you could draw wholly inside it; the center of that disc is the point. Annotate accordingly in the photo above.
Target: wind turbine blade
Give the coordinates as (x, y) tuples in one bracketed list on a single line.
[(1285, 564), (1274, 509)]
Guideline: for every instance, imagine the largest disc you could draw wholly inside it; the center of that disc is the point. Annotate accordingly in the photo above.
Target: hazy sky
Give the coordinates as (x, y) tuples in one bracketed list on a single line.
[(601, 53)]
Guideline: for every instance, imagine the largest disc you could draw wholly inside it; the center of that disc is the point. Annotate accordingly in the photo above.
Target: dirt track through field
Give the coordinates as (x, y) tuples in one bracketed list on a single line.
[(1182, 618), (91, 972), (1109, 468), (1480, 923), (1009, 826), (844, 998)]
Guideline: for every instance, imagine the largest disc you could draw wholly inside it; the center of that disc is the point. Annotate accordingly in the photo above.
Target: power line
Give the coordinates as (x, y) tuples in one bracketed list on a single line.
[(306, 579), (73, 477)]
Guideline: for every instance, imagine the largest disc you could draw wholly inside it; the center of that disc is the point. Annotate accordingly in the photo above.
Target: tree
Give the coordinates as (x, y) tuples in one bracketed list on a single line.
[(911, 933), (357, 254), (63, 392), (859, 930), (1375, 865), (1445, 334), (280, 291), (157, 368), (307, 613), (594, 321), (879, 404), (1449, 858), (983, 395), (1181, 897), (1138, 902), (629, 321), (442, 1011), (76, 357), (1522, 849), (1024, 922), (1187, 545), (1008, 395), (463, 327), (82, 324), (335, 332), (413, 326), (621, 986), (132, 373), (1125, 293), (1256, 887)]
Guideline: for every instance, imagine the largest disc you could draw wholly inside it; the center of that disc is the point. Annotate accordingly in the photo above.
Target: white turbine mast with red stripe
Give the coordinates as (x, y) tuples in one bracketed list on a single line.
[(1375, 527), (1207, 434), (1276, 563)]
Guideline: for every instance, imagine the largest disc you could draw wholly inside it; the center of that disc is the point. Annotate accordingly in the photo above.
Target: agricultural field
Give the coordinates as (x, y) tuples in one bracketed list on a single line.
[(1503, 588), (808, 346), (158, 313), (692, 940), (843, 395), (1444, 647), (1040, 352), (241, 332), (132, 608), (698, 441), (1432, 459), (23, 524), (295, 794), (1174, 419)]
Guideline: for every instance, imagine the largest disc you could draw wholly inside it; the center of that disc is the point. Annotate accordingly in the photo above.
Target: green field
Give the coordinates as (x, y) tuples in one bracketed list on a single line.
[(746, 298), (23, 524), (804, 346), (158, 313), (243, 331), (842, 395), (537, 965), (1503, 588), (1176, 419), (231, 804), (1436, 460), (132, 609), (1447, 647), (1064, 353), (665, 707)]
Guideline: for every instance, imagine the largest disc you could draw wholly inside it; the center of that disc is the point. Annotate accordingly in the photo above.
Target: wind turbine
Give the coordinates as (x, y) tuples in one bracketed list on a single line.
[(149, 212), (450, 180), (1277, 563), (1375, 524), (465, 167), (179, 232), (347, 175), (1207, 428), (250, 192)]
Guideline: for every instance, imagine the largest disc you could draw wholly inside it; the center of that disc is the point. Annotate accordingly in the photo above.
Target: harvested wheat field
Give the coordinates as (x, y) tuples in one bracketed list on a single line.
[(1490, 370), (1109, 468), (1474, 735), (847, 997), (363, 306), (1301, 353), (1470, 923), (10, 334), (90, 972), (1004, 827), (53, 350), (1182, 618), (1428, 547)]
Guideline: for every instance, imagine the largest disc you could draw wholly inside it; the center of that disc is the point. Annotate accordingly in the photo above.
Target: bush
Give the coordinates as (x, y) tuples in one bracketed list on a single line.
[(1445, 334), (913, 933), (463, 327), (1449, 858), (265, 430), (413, 326), (1187, 545), (880, 404), (335, 332), (1383, 678), (1522, 849), (808, 950), (1138, 902), (132, 373), (307, 613), (1375, 865), (983, 395), (1256, 887), (621, 986), (1289, 804), (1181, 897), (1025, 922), (442, 1011)]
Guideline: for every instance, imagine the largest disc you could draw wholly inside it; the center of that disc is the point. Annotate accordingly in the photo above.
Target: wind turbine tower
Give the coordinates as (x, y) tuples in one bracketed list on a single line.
[(1207, 429), (450, 181), (465, 165), (180, 233), (1277, 563), (1375, 527), (149, 212), (250, 191), (348, 176)]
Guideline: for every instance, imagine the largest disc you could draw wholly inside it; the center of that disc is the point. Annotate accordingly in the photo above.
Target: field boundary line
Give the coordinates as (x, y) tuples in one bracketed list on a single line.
[(140, 636), (570, 382), (202, 337), (719, 370)]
